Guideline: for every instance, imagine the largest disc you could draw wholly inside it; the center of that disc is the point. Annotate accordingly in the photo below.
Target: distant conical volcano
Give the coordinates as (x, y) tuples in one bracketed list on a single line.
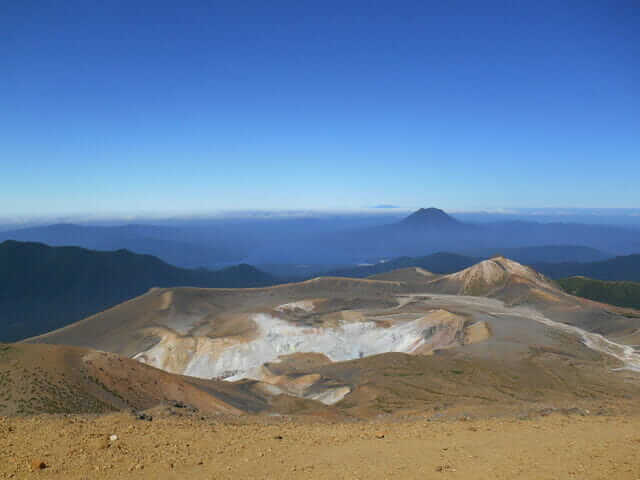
[(430, 218)]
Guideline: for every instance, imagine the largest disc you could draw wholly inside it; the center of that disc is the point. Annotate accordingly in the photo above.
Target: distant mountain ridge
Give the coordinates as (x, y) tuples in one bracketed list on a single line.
[(42, 287), (214, 243), (621, 268), (171, 245), (442, 262), (431, 230), (543, 254)]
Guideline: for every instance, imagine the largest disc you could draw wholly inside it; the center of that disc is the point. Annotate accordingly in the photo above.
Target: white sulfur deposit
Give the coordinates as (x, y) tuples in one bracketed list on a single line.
[(349, 341), (233, 360), (304, 305)]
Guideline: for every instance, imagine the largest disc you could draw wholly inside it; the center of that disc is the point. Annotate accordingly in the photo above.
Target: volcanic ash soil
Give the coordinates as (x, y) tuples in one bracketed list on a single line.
[(552, 445)]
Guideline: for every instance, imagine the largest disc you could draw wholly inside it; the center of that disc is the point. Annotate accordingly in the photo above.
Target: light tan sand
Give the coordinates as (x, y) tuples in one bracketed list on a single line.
[(553, 447)]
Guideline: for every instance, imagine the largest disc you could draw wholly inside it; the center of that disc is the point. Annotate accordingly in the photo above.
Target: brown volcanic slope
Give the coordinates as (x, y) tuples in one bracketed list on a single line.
[(476, 342), (213, 313), (61, 379), (410, 275)]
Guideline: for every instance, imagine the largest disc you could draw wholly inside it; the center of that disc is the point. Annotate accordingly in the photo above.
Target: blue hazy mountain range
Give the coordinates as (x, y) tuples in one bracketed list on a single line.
[(341, 240), (617, 269)]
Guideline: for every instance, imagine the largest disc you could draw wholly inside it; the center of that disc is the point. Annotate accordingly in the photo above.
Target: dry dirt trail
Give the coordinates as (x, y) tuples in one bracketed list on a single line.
[(624, 353), (554, 447)]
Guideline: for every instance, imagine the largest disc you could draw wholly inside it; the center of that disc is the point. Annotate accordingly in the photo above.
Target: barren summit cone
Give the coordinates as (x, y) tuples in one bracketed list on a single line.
[(492, 276)]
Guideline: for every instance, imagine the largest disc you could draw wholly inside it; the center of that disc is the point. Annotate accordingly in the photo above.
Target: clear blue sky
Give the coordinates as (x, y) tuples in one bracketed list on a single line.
[(128, 106)]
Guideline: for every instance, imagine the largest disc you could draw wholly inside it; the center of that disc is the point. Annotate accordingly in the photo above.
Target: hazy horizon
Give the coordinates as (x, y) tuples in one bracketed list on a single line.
[(613, 216)]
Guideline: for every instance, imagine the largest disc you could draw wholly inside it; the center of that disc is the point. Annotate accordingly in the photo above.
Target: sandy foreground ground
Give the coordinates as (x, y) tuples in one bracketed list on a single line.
[(557, 446)]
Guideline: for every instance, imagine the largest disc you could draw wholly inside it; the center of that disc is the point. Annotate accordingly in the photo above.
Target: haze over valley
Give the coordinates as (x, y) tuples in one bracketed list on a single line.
[(341, 239)]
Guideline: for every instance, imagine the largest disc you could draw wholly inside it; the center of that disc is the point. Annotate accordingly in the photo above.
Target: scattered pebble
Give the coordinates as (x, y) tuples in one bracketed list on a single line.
[(38, 464), (445, 468)]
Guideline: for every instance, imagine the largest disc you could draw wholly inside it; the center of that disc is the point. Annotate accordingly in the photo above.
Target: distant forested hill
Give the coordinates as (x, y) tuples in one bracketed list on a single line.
[(543, 254), (181, 247), (623, 268), (43, 288), (623, 294)]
